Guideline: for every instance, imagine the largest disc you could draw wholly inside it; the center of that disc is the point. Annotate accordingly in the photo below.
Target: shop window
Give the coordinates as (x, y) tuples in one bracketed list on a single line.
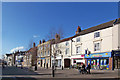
[(104, 64)]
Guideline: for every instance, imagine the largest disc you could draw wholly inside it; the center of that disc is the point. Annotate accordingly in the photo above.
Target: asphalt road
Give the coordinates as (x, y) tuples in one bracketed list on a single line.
[(13, 73)]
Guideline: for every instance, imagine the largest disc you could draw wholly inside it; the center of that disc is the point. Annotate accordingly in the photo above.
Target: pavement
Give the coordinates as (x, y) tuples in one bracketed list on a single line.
[(13, 73)]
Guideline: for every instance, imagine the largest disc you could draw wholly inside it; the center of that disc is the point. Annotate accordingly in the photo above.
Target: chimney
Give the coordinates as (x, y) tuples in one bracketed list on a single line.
[(78, 30), (33, 45), (40, 42), (57, 37), (43, 41)]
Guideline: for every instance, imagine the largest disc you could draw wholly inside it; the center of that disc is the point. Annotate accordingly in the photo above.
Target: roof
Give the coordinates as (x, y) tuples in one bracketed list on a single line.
[(94, 28), (66, 39), (99, 27)]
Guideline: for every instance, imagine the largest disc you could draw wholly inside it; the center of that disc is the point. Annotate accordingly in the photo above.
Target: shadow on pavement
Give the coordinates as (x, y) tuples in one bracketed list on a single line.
[(22, 78), (19, 71)]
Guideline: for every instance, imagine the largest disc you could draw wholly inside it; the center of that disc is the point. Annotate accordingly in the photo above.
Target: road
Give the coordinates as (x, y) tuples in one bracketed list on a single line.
[(13, 73)]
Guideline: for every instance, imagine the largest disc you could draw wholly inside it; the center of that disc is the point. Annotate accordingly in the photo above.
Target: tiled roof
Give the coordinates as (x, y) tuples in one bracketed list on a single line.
[(99, 27), (94, 28)]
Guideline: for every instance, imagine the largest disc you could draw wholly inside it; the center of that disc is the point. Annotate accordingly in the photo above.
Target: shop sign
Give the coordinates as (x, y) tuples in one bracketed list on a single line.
[(96, 55), (117, 54), (42, 58)]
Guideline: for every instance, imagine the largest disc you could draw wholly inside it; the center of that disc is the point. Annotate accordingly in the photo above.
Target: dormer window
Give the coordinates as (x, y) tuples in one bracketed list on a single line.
[(78, 39), (97, 34)]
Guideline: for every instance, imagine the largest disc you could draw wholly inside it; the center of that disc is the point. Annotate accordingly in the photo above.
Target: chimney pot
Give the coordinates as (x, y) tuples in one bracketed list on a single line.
[(40, 42), (78, 30), (33, 45)]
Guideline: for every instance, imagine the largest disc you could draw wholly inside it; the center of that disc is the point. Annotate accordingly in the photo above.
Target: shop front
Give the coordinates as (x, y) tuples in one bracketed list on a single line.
[(116, 59), (77, 60), (99, 60), (42, 61)]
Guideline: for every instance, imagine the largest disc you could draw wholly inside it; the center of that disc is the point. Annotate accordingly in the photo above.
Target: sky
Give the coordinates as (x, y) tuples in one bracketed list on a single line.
[(24, 22)]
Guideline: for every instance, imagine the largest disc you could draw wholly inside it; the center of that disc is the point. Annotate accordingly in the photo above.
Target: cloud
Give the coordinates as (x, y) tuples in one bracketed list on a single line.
[(35, 36), (16, 49)]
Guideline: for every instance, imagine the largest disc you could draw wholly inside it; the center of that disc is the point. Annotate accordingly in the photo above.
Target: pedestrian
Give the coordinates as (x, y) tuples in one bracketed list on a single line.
[(44, 65), (79, 68), (83, 68), (89, 67), (47, 65)]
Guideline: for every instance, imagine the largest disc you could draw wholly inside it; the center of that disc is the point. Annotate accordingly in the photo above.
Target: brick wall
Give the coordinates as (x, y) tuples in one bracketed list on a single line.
[(110, 63), (85, 62)]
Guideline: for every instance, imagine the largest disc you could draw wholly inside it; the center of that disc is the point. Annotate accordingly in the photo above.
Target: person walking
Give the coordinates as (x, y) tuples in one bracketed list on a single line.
[(83, 68), (89, 67)]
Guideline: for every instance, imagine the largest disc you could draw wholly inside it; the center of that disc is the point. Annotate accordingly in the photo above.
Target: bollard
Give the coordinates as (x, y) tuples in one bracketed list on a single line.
[(62, 67), (47, 65), (53, 73), (35, 68)]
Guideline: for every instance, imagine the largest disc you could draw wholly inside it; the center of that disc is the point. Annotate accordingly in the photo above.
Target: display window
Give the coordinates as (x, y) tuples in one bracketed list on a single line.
[(99, 63), (104, 63)]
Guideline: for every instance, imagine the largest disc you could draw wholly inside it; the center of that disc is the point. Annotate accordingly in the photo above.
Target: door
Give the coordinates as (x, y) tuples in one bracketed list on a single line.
[(66, 63)]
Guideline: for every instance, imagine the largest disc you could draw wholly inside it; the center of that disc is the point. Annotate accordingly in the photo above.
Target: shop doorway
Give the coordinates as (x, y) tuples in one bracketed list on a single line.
[(66, 63), (117, 62)]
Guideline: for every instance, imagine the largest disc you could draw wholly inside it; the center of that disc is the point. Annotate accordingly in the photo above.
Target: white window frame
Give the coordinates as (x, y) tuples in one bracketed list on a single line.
[(78, 51), (67, 51), (67, 43), (78, 39), (97, 46), (96, 34), (45, 53)]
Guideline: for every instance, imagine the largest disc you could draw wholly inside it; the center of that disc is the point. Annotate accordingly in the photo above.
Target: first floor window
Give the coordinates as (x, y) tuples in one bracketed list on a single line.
[(78, 49), (96, 46), (67, 51), (45, 53)]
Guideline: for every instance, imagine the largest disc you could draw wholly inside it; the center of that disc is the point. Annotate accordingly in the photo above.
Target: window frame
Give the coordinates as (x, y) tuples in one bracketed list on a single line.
[(78, 39), (97, 46), (96, 34), (78, 51), (67, 51)]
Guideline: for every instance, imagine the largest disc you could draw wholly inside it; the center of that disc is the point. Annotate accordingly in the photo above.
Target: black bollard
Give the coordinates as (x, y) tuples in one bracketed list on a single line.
[(47, 65), (62, 67), (21, 67), (35, 67), (44, 65), (53, 73)]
